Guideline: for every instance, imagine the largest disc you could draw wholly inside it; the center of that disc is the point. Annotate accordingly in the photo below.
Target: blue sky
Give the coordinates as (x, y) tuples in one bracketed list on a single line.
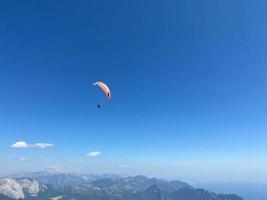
[(188, 81)]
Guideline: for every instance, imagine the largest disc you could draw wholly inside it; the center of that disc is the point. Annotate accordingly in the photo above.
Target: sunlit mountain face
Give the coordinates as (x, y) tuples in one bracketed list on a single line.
[(56, 186)]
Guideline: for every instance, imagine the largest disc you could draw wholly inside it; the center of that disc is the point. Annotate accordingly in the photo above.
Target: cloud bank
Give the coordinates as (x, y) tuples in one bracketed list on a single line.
[(25, 145)]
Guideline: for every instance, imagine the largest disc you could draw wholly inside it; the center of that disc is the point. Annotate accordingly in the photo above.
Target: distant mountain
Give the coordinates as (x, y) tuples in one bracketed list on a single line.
[(130, 184), (143, 188), (60, 179), (201, 194), (129, 188)]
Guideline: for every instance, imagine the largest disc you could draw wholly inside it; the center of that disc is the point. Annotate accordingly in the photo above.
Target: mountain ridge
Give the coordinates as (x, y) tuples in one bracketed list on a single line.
[(114, 188)]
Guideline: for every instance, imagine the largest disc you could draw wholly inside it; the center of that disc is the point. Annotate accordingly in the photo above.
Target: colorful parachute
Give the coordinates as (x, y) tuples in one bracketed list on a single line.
[(104, 88)]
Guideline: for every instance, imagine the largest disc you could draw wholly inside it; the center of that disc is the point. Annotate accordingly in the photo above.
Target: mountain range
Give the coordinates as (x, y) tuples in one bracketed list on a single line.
[(64, 186)]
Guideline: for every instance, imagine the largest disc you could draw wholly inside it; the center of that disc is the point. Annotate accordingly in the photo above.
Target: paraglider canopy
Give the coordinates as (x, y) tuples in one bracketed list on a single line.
[(105, 89)]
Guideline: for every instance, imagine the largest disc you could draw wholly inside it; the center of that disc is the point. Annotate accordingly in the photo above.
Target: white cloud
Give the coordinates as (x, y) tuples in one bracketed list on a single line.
[(23, 159), (76, 160), (25, 145), (43, 145), (93, 154), (20, 145), (125, 166)]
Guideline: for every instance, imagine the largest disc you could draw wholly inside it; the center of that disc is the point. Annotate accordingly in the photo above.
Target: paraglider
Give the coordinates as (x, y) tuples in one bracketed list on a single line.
[(105, 89)]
